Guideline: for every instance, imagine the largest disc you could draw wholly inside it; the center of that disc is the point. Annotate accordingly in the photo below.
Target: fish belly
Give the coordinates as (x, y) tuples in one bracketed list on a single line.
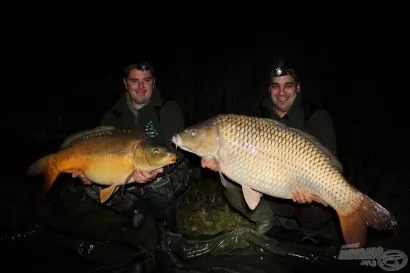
[(274, 160), (107, 170), (259, 172), (279, 175)]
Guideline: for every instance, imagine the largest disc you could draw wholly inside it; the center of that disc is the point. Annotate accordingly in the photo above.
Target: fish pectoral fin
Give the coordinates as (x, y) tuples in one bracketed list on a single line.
[(127, 180), (223, 180), (130, 178), (107, 192), (251, 196)]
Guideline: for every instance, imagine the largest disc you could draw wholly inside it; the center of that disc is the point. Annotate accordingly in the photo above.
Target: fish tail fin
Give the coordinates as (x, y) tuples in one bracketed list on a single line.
[(354, 228), (38, 166), (369, 214), (375, 215), (43, 165), (50, 175)]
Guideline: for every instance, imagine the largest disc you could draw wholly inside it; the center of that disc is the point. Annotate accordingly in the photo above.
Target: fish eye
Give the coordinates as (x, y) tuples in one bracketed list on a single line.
[(155, 151), (193, 132)]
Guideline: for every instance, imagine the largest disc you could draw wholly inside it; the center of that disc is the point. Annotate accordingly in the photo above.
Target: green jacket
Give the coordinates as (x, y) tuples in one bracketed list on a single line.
[(318, 124), (160, 119)]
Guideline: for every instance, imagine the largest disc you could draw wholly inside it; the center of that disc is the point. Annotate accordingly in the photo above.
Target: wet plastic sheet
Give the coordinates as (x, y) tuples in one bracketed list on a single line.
[(243, 251), (46, 250), (238, 251)]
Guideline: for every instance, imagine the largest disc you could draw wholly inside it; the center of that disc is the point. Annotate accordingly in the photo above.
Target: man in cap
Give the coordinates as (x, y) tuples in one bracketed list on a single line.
[(143, 108), (286, 104)]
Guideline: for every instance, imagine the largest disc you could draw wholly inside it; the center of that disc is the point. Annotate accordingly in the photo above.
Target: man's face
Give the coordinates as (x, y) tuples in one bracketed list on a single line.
[(140, 85), (283, 92)]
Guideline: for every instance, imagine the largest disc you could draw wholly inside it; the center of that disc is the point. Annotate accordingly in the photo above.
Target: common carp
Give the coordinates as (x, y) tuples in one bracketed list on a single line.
[(106, 155), (265, 156)]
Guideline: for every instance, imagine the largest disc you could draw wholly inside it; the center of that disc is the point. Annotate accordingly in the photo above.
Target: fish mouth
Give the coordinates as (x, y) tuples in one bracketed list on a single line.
[(172, 158), (178, 143), (170, 162), (176, 139)]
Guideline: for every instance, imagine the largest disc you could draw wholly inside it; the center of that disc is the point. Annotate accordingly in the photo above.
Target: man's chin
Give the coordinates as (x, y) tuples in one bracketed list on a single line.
[(140, 100), (282, 108)]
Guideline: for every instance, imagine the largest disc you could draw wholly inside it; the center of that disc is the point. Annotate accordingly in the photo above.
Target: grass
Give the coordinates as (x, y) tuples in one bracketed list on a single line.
[(203, 209)]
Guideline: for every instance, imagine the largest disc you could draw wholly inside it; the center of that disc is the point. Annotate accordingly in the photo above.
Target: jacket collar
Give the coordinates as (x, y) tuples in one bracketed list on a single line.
[(156, 98), (294, 117)]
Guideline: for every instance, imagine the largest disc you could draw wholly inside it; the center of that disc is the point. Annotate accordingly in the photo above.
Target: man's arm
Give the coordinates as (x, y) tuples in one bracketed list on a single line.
[(108, 119), (321, 126)]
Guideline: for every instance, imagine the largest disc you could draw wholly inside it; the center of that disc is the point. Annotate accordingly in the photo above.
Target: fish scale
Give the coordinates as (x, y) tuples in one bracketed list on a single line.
[(289, 159), (268, 157), (105, 155)]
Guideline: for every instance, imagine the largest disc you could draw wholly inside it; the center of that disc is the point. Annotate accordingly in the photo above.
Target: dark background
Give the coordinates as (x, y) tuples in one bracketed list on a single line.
[(60, 75), (75, 72)]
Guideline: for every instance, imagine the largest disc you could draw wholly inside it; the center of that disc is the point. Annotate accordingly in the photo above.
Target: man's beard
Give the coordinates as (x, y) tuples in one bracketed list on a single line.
[(135, 103), (138, 100)]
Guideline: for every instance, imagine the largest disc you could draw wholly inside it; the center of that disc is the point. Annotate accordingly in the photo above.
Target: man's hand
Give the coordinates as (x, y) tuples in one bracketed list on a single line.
[(210, 164), (82, 177), (144, 177), (306, 197), (140, 177)]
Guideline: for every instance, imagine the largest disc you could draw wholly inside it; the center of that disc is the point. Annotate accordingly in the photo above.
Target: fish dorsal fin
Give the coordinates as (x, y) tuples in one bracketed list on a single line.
[(251, 196), (86, 134), (332, 158)]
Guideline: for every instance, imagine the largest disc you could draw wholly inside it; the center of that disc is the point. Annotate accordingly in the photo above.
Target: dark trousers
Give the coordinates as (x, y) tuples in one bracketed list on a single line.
[(312, 219)]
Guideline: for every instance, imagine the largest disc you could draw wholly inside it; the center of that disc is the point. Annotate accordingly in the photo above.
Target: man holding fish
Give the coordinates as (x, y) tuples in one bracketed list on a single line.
[(285, 103), (144, 109)]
